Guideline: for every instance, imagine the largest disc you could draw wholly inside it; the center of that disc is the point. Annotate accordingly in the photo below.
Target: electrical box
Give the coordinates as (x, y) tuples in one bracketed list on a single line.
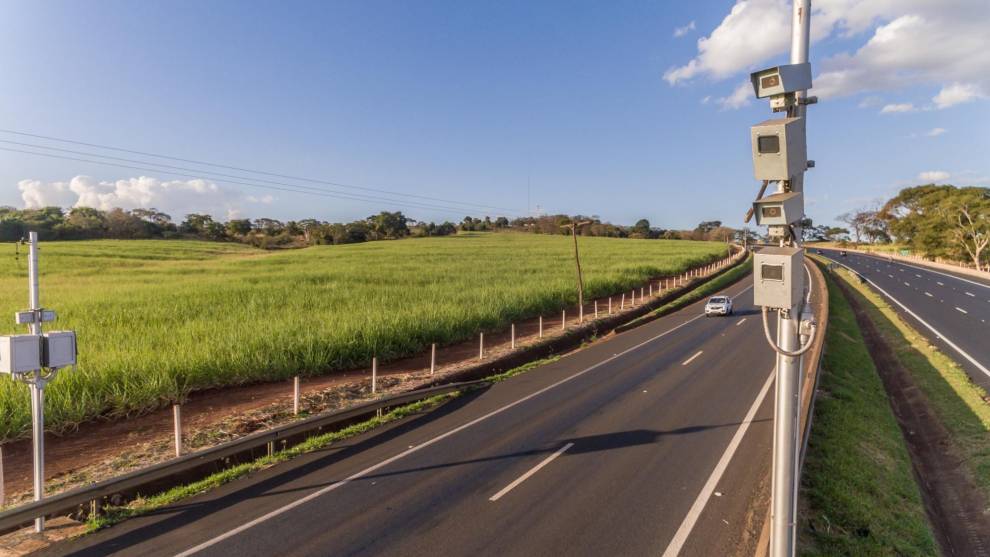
[(779, 278), (779, 149), (779, 209), (780, 80), (20, 353), (59, 349)]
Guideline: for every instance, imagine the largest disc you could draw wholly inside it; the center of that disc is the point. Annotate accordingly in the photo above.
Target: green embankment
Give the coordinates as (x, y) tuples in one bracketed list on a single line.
[(159, 319), (858, 493)]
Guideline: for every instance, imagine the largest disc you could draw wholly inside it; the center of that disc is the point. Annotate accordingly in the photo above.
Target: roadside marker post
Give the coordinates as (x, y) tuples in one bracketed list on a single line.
[(541, 326), (433, 358), (563, 320), (177, 428), (35, 359), (512, 335), (610, 305), (622, 303), (295, 396), (596, 309), (374, 374), (481, 346)]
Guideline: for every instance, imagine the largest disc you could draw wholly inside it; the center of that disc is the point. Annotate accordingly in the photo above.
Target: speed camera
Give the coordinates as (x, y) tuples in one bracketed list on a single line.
[(779, 209), (779, 278), (780, 80), (779, 149)]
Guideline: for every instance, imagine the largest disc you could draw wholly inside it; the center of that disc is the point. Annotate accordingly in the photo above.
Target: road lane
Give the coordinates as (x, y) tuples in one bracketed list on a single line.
[(957, 307), (643, 432)]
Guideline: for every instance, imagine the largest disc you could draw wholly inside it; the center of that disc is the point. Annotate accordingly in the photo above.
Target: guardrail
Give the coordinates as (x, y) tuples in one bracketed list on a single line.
[(67, 501)]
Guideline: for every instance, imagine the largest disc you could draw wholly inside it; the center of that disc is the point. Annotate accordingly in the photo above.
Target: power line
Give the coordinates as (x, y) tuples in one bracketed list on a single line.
[(241, 169), (319, 193)]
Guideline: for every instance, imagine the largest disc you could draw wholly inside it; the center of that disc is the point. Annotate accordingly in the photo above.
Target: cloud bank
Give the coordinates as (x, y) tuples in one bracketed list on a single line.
[(175, 197)]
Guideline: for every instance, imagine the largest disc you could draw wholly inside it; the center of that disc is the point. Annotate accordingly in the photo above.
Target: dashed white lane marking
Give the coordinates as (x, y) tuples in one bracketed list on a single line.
[(961, 310), (971, 295), (907, 284), (891, 276), (917, 275), (740, 321), (939, 283), (531, 471), (929, 294), (691, 359)]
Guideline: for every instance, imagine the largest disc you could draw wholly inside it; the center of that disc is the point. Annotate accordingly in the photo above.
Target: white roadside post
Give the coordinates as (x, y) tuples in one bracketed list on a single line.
[(35, 359), (433, 358), (295, 396), (177, 428), (779, 150), (541, 326), (512, 336), (374, 374)]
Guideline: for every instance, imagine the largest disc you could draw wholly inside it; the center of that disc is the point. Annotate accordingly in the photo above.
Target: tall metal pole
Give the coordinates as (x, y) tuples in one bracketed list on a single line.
[(37, 385), (784, 485)]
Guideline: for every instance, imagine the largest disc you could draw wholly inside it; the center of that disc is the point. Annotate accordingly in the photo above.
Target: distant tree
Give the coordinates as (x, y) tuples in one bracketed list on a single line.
[(386, 225), (238, 227)]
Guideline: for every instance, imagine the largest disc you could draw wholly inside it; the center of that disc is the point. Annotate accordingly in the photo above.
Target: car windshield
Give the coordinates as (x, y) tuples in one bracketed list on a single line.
[(718, 300)]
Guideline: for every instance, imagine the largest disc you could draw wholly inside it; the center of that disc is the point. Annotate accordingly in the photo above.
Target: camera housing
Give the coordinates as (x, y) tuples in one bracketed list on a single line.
[(779, 209), (779, 149), (781, 80), (778, 277)]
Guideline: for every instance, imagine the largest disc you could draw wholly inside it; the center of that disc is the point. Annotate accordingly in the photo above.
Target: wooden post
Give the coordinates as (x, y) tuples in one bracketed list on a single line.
[(541, 326), (481, 346), (622, 303), (295, 396), (610, 305), (563, 320), (596, 309), (513, 335), (177, 426), (374, 374)]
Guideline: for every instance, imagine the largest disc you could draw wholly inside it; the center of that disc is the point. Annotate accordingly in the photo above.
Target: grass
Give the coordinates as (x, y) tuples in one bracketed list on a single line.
[(961, 405), (157, 320), (859, 496)]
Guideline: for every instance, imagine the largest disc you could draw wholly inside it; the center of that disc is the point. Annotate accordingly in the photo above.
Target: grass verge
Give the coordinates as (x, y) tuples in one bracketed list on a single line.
[(111, 515), (961, 405), (858, 492)]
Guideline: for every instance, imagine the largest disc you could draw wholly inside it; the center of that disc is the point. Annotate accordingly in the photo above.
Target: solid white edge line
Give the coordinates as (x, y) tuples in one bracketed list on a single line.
[(691, 359), (681, 536), (961, 309), (740, 322), (923, 322), (272, 514), (531, 471)]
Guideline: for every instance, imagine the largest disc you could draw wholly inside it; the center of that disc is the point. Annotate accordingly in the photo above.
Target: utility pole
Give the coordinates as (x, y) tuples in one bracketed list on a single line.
[(779, 148), (573, 227)]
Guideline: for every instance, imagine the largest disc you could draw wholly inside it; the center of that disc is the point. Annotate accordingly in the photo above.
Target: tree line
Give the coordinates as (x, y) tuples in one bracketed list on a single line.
[(942, 221), (85, 223)]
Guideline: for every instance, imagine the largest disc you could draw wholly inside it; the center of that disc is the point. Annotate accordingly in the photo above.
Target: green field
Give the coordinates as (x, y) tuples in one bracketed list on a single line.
[(158, 319)]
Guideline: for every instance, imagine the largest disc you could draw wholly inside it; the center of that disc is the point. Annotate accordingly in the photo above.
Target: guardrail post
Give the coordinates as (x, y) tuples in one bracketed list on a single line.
[(177, 425), (295, 396), (433, 358)]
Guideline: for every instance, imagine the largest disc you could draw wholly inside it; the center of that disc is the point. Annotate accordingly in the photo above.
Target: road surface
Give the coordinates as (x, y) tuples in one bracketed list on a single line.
[(951, 310), (654, 442)]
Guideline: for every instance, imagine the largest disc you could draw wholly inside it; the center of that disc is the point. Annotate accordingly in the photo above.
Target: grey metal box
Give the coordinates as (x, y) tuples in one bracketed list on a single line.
[(60, 349), (778, 277), (20, 353), (779, 149), (779, 80), (779, 209)]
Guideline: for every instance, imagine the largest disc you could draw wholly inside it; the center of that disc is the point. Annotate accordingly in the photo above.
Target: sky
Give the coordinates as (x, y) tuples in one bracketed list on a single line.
[(623, 110)]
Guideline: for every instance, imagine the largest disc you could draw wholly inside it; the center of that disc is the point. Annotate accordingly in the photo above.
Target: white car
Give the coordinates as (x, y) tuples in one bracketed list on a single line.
[(718, 305)]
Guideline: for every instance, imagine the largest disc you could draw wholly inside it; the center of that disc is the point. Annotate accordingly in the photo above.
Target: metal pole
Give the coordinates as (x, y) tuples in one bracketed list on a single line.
[(295, 395), (37, 386), (784, 484), (177, 426)]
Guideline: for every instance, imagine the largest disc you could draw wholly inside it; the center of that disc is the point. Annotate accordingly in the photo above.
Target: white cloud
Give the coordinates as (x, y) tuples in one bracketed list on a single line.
[(914, 42), (956, 93), (264, 199), (934, 176), (870, 101), (935, 132), (741, 96), (681, 31), (706, 99), (175, 197), (895, 108)]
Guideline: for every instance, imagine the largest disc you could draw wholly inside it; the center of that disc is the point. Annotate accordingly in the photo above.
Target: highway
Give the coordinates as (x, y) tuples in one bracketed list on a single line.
[(656, 441), (952, 310)]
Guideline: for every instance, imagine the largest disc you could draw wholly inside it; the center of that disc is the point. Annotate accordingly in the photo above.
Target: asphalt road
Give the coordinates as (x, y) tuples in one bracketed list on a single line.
[(951, 310), (655, 441)]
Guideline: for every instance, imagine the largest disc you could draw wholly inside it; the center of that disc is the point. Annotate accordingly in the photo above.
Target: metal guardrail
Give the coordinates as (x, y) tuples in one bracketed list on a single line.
[(69, 500)]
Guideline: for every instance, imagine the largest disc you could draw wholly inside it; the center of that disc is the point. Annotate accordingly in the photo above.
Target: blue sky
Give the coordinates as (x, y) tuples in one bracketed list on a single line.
[(470, 101)]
